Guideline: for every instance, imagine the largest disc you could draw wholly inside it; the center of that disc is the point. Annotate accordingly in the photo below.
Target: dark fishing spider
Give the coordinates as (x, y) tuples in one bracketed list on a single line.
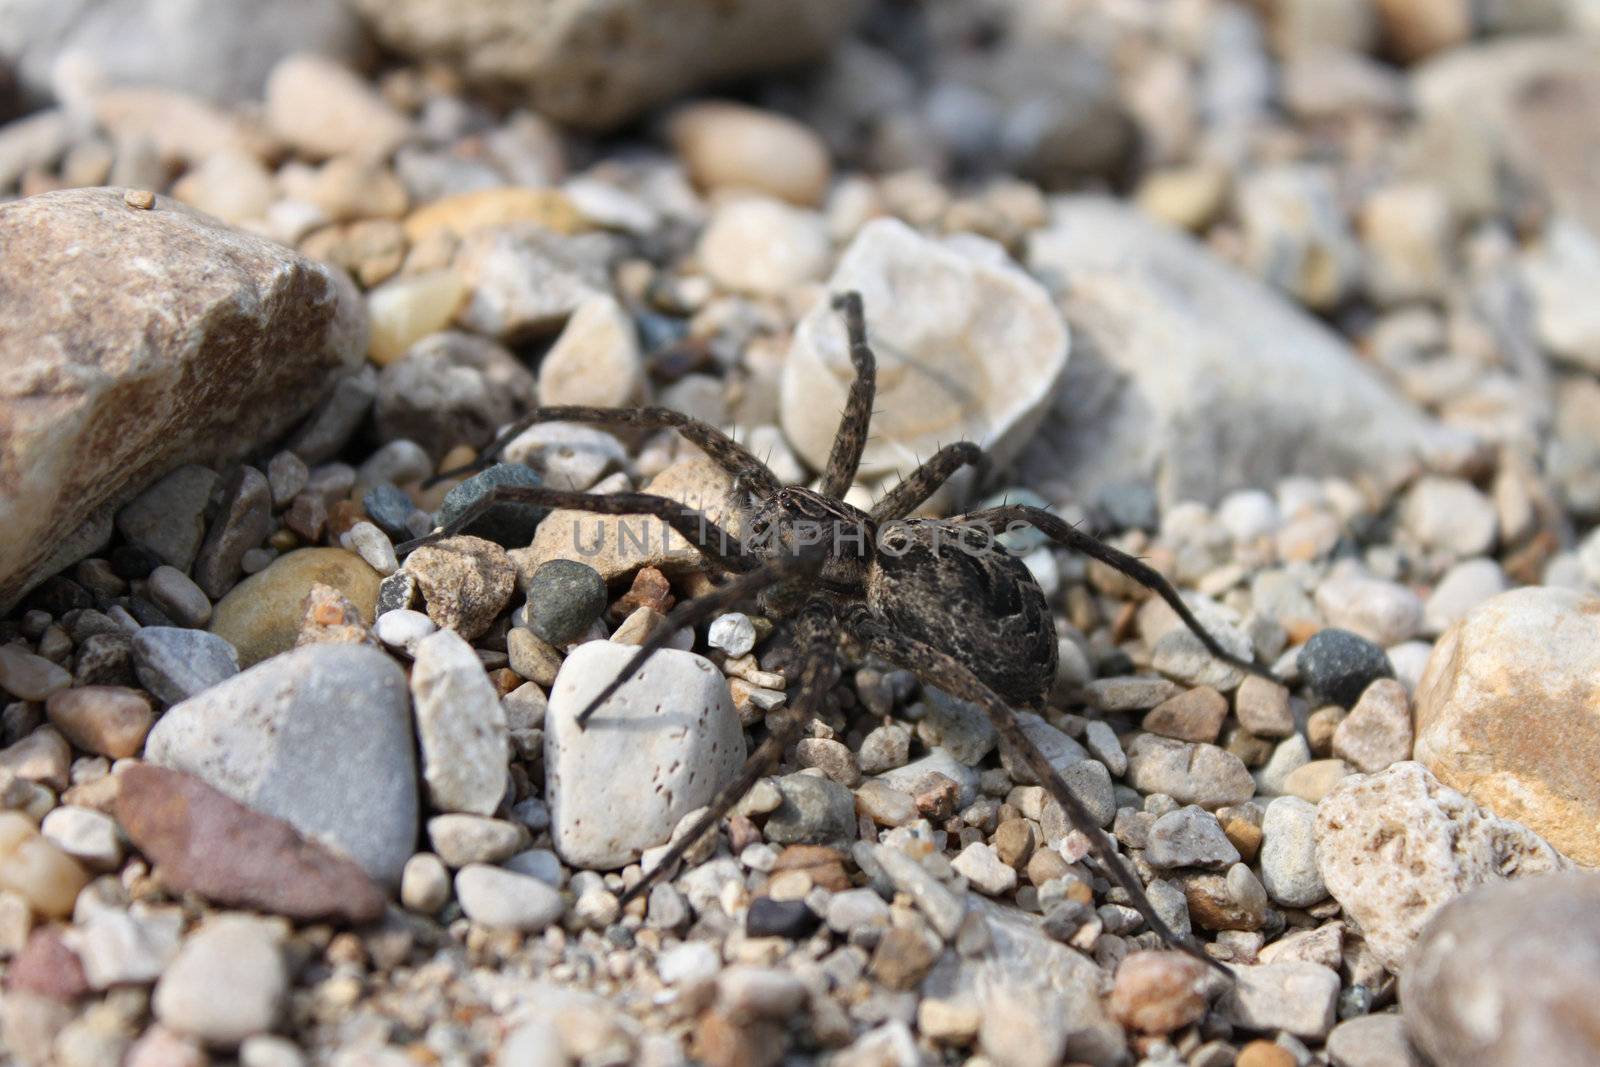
[(912, 591)]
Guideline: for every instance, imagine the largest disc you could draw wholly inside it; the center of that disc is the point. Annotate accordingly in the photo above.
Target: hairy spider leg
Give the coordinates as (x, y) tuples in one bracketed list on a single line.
[(748, 472), (713, 542), (938, 669), (905, 497), (818, 667), (1064, 533), (854, 424)]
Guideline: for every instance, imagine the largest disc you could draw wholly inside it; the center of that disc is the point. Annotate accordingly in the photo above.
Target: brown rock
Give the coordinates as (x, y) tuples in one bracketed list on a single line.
[(1193, 715), (106, 720), (327, 616), (115, 325), (1508, 712), (1159, 992), (466, 581), (903, 957), (208, 843), (1377, 732)]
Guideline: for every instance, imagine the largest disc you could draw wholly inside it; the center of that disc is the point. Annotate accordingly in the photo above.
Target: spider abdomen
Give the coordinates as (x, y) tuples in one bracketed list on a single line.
[(981, 607)]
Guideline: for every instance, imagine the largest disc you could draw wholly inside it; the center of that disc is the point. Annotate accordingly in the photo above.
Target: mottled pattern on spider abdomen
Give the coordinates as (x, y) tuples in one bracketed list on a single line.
[(981, 607)]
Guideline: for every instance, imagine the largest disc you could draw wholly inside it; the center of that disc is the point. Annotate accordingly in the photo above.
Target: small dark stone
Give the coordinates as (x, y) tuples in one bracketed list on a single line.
[(1339, 665), (779, 918), (131, 562), (814, 811), (564, 598), (145, 613), (507, 524), (105, 659), (398, 590), (58, 595), (1129, 506), (1065, 919), (243, 523), (86, 624), (389, 507)]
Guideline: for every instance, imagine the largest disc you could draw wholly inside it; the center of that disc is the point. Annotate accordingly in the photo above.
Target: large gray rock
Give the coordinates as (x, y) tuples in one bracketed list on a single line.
[(597, 63), (319, 737), (215, 51), (1506, 975), (1189, 373), (118, 330)]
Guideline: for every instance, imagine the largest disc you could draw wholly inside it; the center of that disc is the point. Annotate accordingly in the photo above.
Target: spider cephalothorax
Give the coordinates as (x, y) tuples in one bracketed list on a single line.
[(939, 598)]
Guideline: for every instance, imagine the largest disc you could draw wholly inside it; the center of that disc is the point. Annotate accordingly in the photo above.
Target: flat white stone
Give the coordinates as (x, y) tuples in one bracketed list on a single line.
[(461, 726)]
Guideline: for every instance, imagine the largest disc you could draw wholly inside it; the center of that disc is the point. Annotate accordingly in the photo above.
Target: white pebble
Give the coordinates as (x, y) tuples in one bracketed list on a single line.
[(372, 545), (403, 628), (734, 633)]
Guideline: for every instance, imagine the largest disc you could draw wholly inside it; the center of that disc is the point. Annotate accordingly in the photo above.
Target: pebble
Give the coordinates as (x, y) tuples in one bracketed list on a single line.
[(35, 868), (616, 788), (857, 909), (169, 518), (1289, 871), (1385, 613), (1297, 997), (884, 748), (1377, 732), (1263, 708), (780, 918), (733, 633), (531, 657), (228, 982), (1158, 992), (183, 601), (506, 523), (1339, 665), (937, 903), (1296, 237), (1450, 515), (244, 521), (265, 739), (731, 146), (567, 455), (751, 993), (1189, 773), (404, 310), (373, 546), (261, 616), (503, 899), (1129, 693), (525, 281), (390, 508), (459, 839), (1506, 713), (1493, 977), (983, 868), (564, 600), (1395, 846), (1374, 1041), (403, 628), (450, 388), (29, 677), (1313, 780), (815, 810), (832, 758), (909, 777), (208, 843), (964, 730), (127, 947), (596, 360), (323, 109), (1189, 837), (424, 883), (1463, 587), (466, 581), (86, 835), (1193, 715), (461, 726), (763, 247)]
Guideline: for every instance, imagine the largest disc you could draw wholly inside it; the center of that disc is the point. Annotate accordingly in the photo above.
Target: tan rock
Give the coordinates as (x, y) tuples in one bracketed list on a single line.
[(1377, 732), (466, 581), (324, 109), (405, 310), (1508, 712), (261, 616), (483, 209), (106, 720), (596, 359), (113, 321), (725, 145)]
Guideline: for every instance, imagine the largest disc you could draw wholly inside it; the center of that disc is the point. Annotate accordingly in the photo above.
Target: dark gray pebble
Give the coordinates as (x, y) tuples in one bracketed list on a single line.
[(390, 508), (564, 598), (779, 918), (508, 524), (1339, 665)]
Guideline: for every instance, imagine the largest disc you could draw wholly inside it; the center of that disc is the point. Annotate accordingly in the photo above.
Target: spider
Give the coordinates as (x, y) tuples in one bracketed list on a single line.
[(916, 593)]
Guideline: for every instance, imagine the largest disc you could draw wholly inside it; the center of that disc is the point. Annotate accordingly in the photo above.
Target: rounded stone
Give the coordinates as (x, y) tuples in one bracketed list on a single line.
[(564, 598), (1339, 665), (228, 982), (261, 615), (504, 899), (106, 720)]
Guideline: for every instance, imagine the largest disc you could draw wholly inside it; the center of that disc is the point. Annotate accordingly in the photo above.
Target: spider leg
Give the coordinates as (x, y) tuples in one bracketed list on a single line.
[(725, 452), (851, 440), (712, 540), (814, 633), (938, 669), (693, 612), (904, 498), (1064, 533)]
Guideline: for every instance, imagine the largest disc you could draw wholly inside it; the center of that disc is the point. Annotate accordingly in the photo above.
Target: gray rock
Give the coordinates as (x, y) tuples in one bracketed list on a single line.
[(461, 727), (169, 518), (265, 738), (1495, 977), (1187, 772), (943, 908), (175, 664), (564, 598), (1298, 997), (1396, 846), (174, 593), (509, 524), (228, 982), (1339, 665), (336, 419), (960, 728), (450, 389), (526, 281), (1372, 1041), (459, 839), (1170, 344), (1463, 587), (651, 51), (1289, 853), (504, 899), (815, 810), (148, 308), (1189, 837), (657, 750), (907, 778)]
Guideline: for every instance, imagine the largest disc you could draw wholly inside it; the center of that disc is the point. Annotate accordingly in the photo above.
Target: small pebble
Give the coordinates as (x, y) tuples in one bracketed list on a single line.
[(183, 601), (1339, 665), (500, 898)]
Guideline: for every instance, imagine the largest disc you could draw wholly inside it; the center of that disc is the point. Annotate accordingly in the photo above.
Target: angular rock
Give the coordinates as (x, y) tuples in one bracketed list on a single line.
[(175, 664), (134, 308), (597, 64), (658, 749), (1297, 997), (1508, 712), (203, 841), (1172, 345), (968, 347), (319, 737), (1495, 976), (1188, 773), (1396, 846)]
